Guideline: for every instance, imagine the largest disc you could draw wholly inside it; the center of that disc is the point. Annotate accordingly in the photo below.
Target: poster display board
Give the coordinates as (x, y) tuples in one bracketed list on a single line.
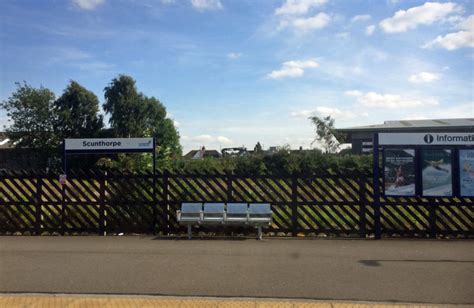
[(399, 173), (437, 172), (466, 172)]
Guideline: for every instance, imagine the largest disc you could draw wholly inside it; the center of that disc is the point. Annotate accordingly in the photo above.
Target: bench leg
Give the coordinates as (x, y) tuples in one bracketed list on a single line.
[(190, 234), (259, 233)]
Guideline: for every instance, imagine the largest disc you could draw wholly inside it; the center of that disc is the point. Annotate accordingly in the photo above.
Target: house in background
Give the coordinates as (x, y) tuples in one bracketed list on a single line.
[(202, 153), (361, 136)]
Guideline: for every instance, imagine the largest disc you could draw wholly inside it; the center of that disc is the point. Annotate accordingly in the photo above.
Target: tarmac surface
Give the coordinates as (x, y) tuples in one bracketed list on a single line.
[(413, 271)]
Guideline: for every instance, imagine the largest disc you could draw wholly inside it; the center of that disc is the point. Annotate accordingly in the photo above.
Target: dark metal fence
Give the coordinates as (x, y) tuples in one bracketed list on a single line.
[(34, 202)]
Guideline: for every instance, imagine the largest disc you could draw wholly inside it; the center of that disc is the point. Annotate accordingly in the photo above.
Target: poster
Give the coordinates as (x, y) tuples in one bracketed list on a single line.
[(466, 172), (437, 172), (399, 172)]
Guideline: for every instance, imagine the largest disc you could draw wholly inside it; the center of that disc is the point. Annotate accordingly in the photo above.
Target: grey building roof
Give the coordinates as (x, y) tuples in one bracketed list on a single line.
[(408, 125)]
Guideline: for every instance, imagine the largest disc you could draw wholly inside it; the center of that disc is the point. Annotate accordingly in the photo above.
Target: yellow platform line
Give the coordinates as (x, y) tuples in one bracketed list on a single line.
[(99, 301)]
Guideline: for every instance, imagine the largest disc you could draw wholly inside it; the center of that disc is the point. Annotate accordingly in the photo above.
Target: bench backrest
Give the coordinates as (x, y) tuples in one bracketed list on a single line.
[(213, 208), (237, 208), (263, 209), (191, 208)]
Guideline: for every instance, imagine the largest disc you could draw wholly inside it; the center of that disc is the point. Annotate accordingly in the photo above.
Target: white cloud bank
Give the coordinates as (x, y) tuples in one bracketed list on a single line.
[(425, 14), (208, 139), (293, 69), (298, 7), (325, 111), (423, 77), (389, 101), (203, 5), (88, 5), (294, 14), (456, 40), (305, 24)]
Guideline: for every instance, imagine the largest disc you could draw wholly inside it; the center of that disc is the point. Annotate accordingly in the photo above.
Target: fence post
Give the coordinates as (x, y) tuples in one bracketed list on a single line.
[(38, 205), (155, 205), (432, 223), (362, 207), (230, 188), (376, 185), (63, 207), (294, 204), (102, 216), (165, 204)]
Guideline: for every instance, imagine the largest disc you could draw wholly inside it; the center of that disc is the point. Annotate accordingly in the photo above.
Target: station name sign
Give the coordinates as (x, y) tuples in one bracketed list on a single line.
[(465, 139), (109, 144)]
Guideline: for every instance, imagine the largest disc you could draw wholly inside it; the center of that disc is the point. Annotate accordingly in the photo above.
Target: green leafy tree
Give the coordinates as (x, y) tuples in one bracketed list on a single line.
[(133, 114), (258, 148), (31, 111), (76, 113), (326, 133), (124, 105)]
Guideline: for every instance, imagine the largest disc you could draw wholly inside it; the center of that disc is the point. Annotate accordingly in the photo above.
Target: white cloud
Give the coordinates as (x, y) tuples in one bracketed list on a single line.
[(369, 30), (298, 7), (202, 5), (324, 111), (423, 77), (224, 140), (425, 14), (208, 139), (389, 101), (456, 40), (88, 5), (293, 69), (318, 21), (465, 110), (360, 18), (234, 55)]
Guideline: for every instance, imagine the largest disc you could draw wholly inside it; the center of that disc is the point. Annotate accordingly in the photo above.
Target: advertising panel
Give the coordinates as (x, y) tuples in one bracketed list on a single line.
[(437, 172), (466, 172), (399, 172)]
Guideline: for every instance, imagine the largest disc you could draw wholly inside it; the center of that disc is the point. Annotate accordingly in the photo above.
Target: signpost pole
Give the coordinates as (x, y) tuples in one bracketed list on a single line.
[(377, 225), (155, 211)]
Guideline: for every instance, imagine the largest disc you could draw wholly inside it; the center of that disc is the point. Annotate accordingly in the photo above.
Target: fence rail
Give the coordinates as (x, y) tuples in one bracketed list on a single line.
[(34, 202)]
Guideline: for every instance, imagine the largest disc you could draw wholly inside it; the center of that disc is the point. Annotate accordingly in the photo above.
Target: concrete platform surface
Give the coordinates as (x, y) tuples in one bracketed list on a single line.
[(91, 301), (414, 271)]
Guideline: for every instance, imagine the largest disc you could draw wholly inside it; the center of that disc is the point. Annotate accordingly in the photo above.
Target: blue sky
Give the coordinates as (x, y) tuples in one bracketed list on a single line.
[(234, 72)]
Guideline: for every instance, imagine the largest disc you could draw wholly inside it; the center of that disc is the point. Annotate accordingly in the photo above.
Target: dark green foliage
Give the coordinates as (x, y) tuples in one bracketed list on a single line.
[(31, 111), (133, 114), (282, 163), (76, 113)]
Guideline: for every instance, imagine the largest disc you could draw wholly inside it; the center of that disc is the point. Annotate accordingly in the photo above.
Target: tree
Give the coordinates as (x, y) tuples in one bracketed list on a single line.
[(133, 114), (258, 148), (326, 133), (124, 105), (76, 113), (31, 111)]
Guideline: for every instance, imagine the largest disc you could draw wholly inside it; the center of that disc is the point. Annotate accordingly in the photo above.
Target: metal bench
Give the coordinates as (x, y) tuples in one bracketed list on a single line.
[(190, 214), (260, 214), (233, 214)]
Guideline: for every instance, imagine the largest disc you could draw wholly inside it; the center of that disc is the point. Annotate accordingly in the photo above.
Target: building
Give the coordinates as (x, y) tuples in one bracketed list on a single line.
[(202, 153), (361, 136)]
